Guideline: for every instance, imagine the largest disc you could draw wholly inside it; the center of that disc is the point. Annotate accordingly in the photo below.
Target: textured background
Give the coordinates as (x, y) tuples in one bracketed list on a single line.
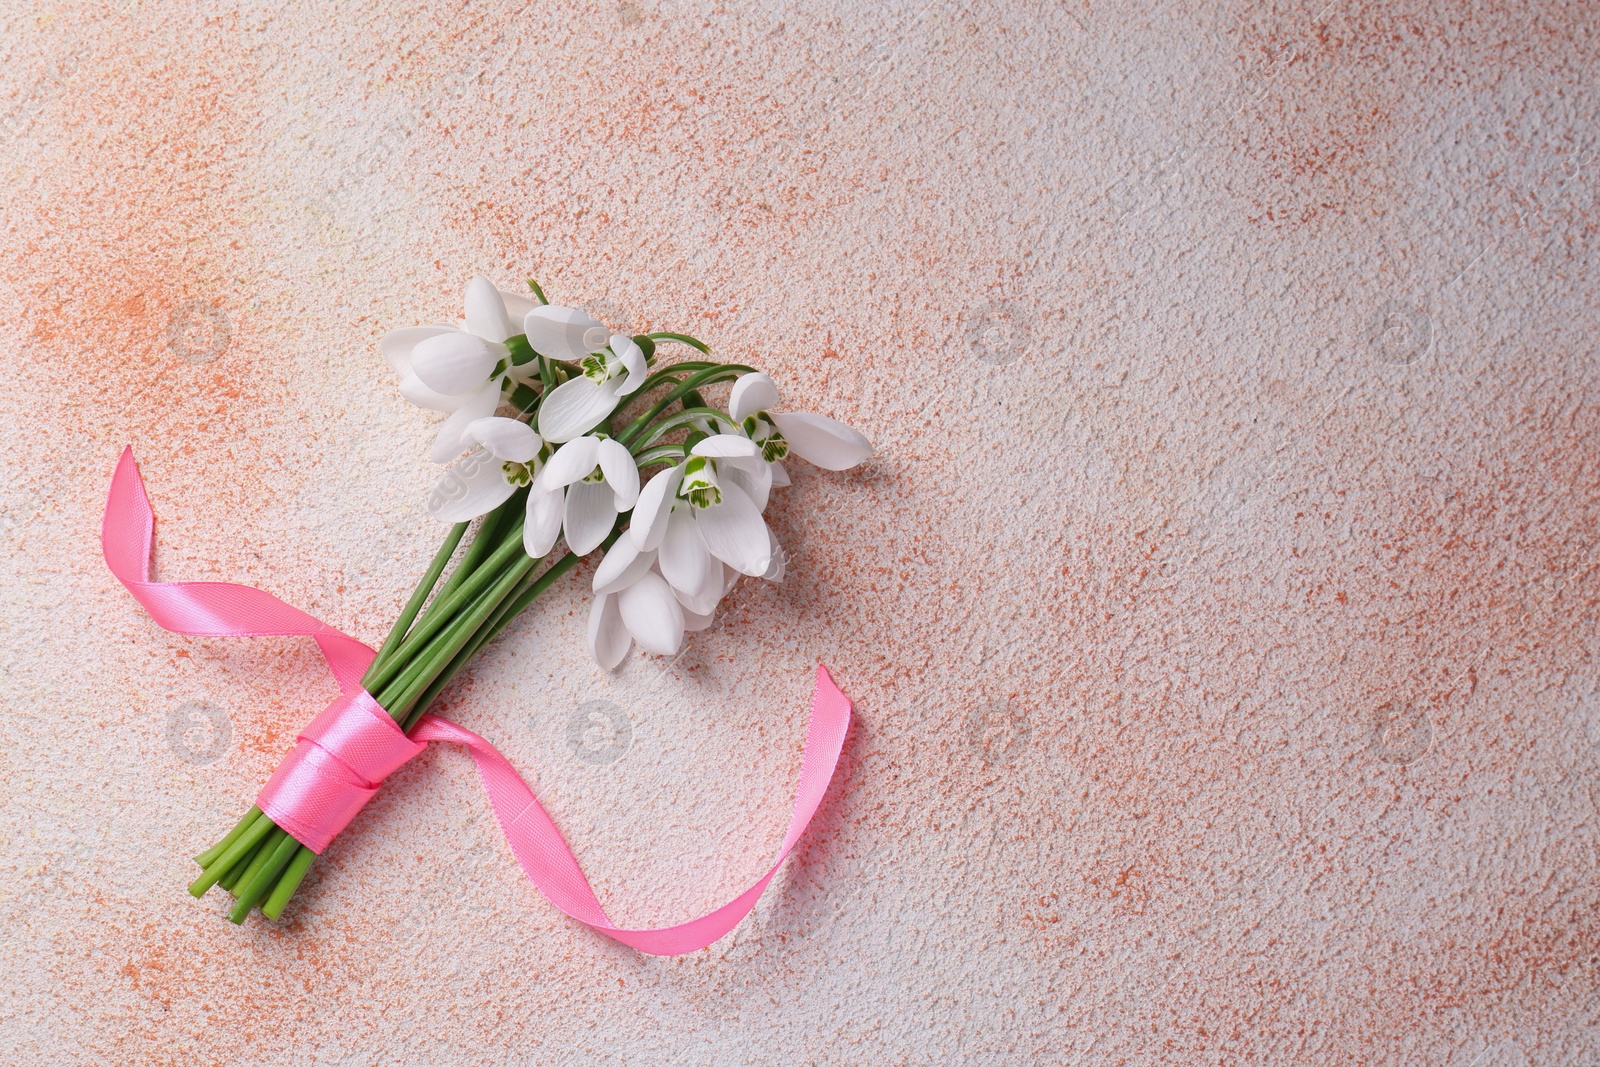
[(1220, 608)]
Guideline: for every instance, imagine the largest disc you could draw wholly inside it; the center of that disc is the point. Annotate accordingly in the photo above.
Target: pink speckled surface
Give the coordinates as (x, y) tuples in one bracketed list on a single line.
[(1220, 609)]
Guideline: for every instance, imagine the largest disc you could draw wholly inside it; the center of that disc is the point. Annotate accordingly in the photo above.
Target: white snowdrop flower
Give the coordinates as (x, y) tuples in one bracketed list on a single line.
[(634, 603), (645, 611), (459, 369), (601, 481), (826, 442), (613, 367), (506, 457), (702, 518)]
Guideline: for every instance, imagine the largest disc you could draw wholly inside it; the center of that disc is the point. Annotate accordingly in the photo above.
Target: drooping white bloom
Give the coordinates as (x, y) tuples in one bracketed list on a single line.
[(663, 579), (825, 442), (613, 366), (460, 369), (707, 506), (506, 456), (601, 481), (635, 603)]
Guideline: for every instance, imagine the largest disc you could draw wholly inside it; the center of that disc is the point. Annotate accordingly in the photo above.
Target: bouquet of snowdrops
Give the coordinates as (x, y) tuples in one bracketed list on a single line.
[(560, 439)]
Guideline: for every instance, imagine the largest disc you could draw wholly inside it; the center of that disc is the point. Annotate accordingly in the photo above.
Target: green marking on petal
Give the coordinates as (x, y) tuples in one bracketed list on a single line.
[(763, 431), (518, 474), (595, 476), (699, 486), (774, 448), (702, 498)]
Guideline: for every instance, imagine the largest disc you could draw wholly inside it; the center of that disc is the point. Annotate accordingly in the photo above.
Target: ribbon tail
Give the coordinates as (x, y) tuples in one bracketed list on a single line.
[(548, 861), (208, 609)]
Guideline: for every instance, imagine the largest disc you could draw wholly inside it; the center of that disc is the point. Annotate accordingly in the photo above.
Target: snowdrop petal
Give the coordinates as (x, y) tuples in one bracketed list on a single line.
[(632, 357), (735, 533), (486, 311), (621, 472), (471, 488), (396, 345), (780, 477), (453, 431), (572, 461), (693, 622), (650, 511), (684, 557), (704, 600), (754, 476), (652, 615), (608, 638), (455, 362), (589, 517), (412, 389), (563, 332), (825, 442), (573, 408), (546, 508), (751, 393), (506, 438), (726, 445), (623, 565), (517, 306)]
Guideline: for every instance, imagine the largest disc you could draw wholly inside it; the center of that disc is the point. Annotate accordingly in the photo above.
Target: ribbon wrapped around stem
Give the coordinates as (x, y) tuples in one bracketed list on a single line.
[(344, 754)]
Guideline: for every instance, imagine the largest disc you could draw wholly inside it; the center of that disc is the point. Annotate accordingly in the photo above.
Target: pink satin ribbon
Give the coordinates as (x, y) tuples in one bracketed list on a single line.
[(335, 767), (341, 757)]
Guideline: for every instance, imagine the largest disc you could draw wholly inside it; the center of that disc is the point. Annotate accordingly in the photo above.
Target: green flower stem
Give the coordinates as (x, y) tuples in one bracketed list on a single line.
[(521, 601), (660, 454), (259, 883), (463, 657), (672, 375), (679, 420), (685, 338), (241, 846), (288, 882), (397, 632), (483, 543), (519, 598), (263, 853), (719, 373), (231, 879), (445, 609), (675, 373), (403, 691), (206, 858)]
